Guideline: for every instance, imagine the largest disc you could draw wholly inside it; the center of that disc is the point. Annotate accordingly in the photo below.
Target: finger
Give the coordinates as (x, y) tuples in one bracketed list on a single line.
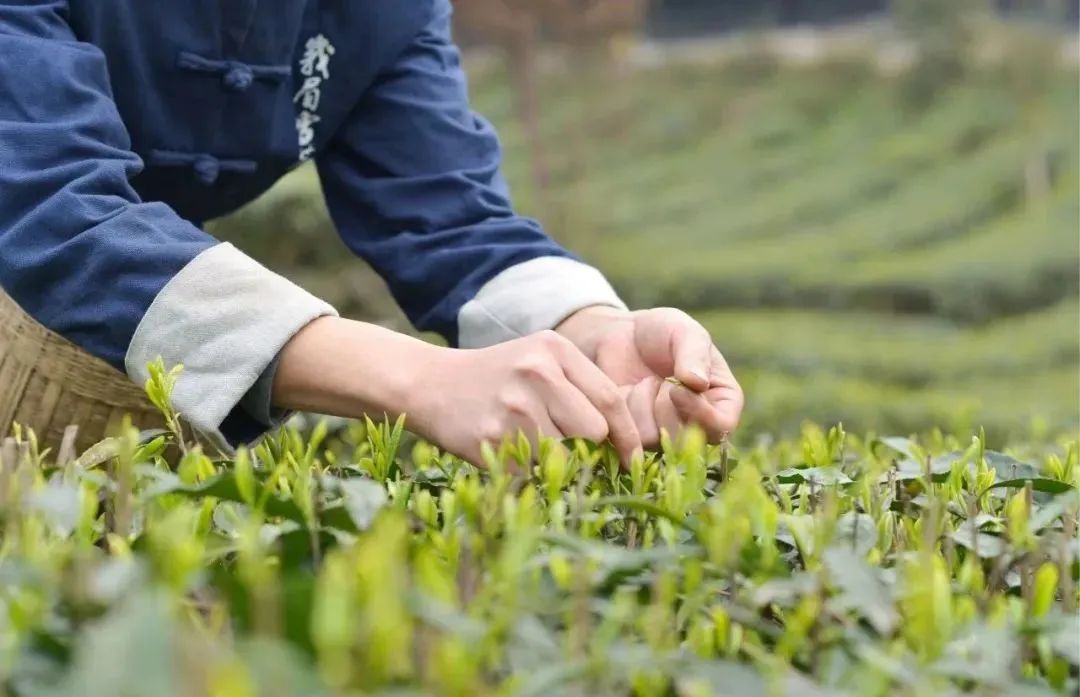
[(728, 403), (691, 348), (667, 416), (641, 398), (720, 373), (542, 426), (605, 397), (694, 408), (725, 393), (573, 414)]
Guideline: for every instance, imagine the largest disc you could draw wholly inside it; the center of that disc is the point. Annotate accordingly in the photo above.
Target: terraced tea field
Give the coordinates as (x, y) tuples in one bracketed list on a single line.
[(857, 259)]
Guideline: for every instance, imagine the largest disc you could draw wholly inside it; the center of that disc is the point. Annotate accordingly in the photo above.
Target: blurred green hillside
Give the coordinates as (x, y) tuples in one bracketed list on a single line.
[(860, 255)]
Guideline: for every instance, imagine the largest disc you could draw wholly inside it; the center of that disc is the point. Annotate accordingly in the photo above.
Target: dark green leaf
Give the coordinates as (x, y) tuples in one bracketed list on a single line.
[(860, 589), (531, 645), (643, 506), (856, 531), (982, 653), (298, 594), (984, 545), (820, 476), (224, 488), (785, 591), (1049, 486), (1008, 467), (59, 504), (617, 565), (904, 446), (445, 618), (940, 467), (724, 679), (279, 669), (338, 517), (296, 547), (553, 678), (1065, 639), (363, 499), (1047, 515), (142, 632)]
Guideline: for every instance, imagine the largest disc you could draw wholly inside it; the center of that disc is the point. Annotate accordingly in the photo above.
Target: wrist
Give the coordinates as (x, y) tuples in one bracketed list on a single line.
[(587, 326), (347, 368)]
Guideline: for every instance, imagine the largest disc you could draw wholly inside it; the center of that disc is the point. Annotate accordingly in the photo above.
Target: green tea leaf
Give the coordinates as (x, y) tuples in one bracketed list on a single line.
[(785, 591), (142, 631), (860, 589), (363, 499), (819, 476), (1065, 639), (1008, 467), (984, 545), (982, 654), (98, 454), (905, 446), (1049, 486), (856, 531), (59, 503), (940, 467), (639, 504)]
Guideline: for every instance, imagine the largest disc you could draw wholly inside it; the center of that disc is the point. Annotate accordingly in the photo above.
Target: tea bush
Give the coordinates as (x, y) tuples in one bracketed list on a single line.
[(360, 561)]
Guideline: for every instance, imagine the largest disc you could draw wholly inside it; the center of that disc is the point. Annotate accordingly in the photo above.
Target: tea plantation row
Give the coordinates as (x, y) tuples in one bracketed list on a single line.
[(856, 257), (365, 563)]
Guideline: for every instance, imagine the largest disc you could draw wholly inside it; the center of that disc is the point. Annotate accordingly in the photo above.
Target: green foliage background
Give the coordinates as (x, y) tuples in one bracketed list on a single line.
[(895, 251)]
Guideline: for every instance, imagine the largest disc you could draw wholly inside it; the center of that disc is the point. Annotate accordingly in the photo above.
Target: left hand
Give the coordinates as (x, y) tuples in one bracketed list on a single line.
[(638, 350)]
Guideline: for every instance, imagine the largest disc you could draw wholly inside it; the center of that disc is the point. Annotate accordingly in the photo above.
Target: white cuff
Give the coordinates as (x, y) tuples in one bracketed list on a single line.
[(223, 317), (529, 297)]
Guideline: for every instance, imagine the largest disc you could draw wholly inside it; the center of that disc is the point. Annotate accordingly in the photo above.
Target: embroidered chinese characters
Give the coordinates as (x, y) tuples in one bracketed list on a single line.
[(315, 68)]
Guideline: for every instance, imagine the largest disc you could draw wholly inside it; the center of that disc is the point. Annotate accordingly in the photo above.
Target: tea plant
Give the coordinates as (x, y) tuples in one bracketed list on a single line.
[(365, 562)]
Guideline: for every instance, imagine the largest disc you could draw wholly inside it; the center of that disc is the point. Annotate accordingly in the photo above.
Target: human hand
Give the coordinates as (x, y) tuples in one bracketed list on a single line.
[(539, 385), (639, 350)]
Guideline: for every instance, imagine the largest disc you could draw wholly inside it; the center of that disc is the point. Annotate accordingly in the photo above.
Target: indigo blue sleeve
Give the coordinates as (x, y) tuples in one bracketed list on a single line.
[(126, 280), (78, 250), (413, 183)]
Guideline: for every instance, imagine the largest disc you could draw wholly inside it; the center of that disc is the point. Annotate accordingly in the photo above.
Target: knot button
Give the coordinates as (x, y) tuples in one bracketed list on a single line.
[(238, 77), (207, 169)]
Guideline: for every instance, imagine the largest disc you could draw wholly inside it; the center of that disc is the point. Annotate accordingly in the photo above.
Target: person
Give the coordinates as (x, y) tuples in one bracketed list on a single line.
[(125, 125)]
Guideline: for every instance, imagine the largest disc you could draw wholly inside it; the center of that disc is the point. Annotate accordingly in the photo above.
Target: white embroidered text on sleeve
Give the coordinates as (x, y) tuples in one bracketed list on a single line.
[(315, 67)]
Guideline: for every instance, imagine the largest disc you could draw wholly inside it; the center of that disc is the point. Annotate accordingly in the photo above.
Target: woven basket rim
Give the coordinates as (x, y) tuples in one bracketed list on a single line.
[(57, 358), (48, 383)]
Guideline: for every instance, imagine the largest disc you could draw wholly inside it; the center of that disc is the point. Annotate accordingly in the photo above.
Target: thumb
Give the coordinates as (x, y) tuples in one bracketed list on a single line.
[(695, 408), (691, 348)]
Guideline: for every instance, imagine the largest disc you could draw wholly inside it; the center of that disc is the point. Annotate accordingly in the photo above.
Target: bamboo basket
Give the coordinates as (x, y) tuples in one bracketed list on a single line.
[(48, 383)]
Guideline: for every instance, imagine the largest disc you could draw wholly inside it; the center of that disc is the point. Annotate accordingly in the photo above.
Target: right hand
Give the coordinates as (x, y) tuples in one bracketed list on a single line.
[(539, 385)]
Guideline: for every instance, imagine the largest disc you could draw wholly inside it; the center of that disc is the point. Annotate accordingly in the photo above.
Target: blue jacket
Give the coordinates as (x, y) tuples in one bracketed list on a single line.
[(126, 124)]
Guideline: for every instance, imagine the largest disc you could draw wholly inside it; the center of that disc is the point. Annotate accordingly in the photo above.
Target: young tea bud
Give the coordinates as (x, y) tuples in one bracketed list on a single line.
[(1046, 583)]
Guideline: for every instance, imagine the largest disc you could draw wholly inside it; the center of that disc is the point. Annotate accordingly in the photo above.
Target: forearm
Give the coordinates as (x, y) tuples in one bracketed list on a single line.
[(345, 368)]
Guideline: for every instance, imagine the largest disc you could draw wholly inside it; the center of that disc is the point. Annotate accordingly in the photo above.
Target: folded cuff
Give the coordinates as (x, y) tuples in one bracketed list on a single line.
[(224, 317), (529, 297), (258, 402)]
